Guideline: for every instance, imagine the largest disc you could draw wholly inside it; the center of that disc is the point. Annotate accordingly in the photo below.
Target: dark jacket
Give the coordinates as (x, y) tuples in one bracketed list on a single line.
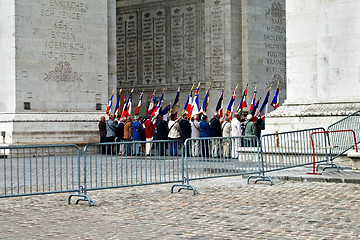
[(120, 131), (161, 130), (215, 128), (185, 127), (205, 129), (102, 128)]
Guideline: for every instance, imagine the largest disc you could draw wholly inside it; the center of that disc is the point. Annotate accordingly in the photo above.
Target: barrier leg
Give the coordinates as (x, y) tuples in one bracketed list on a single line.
[(261, 179), (82, 197), (186, 186)]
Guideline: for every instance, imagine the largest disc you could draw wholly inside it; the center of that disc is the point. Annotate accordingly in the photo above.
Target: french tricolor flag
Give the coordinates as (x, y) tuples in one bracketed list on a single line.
[(275, 101)]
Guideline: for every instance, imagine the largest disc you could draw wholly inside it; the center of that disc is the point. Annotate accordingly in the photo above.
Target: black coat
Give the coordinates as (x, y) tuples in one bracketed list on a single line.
[(215, 128), (161, 130), (185, 127)]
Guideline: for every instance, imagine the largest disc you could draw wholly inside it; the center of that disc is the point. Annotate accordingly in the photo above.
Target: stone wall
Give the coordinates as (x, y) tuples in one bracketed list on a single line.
[(59, 83), (323, 67)]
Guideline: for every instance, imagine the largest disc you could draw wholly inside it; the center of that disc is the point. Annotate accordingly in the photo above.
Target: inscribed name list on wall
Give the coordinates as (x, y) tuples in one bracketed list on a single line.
[(275, 42), (62, 41), (156, 45)]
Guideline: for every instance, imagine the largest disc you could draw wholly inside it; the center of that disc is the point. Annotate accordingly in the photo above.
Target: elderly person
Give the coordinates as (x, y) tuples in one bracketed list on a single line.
[(111, 128), (236, 131), (226, 132), (250, 130)]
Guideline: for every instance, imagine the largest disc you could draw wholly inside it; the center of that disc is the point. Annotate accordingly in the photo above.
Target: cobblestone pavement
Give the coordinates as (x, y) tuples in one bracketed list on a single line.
[(226, 208)]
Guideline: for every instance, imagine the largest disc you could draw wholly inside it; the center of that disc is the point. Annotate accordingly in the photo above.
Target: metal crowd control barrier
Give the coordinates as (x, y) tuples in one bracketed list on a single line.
[(291, 149), (132, 163), (221, 157), (332, 165), (340, 141), (40, 169)]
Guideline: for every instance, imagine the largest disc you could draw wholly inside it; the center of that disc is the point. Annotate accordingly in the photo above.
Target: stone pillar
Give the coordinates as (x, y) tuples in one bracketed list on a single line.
[(54, 64), (323, 67)]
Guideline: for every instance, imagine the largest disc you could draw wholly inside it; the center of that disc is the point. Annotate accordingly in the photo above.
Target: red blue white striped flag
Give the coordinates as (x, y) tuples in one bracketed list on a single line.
[(275, 102), (127, 106), (264, 107), (219, 105), (230, 108), (139, 104), (108, 109), (253, 101)]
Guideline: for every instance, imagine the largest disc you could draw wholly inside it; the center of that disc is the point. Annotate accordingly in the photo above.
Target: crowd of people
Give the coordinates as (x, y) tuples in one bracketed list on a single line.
[(177, 130)]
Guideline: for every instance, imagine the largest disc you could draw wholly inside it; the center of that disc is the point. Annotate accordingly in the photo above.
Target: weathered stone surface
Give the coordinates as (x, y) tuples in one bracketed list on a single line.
[(322, 62)]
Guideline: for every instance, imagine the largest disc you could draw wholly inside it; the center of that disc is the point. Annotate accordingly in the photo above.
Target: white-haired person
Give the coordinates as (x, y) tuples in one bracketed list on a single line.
[(250, 131)]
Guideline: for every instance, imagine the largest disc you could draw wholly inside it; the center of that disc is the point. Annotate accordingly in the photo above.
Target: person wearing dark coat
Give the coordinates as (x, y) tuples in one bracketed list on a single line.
[(205, 133), (215, 131), (102, 129), (185, 127), (162, 132)]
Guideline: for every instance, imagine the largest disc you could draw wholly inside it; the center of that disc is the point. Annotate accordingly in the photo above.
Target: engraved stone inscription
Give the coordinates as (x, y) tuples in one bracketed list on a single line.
[(65, 17), (217, 64), (274, 40), (183, 43), (154, 46), (127, 52)]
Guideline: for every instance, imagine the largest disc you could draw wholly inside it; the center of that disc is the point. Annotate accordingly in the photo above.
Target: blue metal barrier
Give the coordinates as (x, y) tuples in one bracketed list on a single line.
[(221, 157), (40, 169), (284, 150), (131, 163)]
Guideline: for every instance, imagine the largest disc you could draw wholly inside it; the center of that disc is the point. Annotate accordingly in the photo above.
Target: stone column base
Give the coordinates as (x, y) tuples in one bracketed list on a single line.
[(296, 117)]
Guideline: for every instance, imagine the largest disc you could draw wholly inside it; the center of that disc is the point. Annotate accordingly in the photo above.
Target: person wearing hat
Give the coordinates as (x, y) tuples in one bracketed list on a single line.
[(250, 130)]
